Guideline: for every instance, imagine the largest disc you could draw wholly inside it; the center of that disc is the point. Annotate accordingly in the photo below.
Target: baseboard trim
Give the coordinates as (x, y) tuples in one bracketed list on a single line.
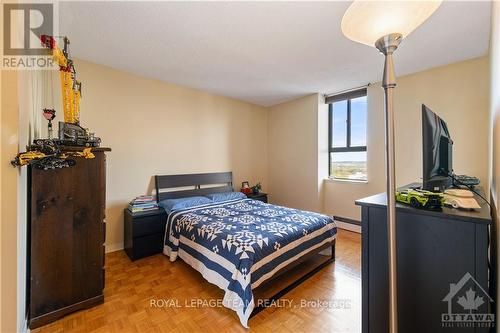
[(24, 326), (114, 247), (348, 226)]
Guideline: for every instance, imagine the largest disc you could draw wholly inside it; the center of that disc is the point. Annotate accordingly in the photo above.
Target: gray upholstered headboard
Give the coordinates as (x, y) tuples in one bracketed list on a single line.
[(199, 183)]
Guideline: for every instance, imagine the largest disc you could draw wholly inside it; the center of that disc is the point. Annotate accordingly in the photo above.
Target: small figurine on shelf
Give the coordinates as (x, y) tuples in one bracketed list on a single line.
[(256, 189), (49, 114), (245, 188)]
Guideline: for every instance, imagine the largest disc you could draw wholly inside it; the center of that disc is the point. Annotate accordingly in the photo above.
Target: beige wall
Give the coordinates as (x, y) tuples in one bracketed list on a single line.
[(459, 93), (158, 128), (8, 205), (293, 153), (494, 131), (12, 199), (495, 102), (13, 209)]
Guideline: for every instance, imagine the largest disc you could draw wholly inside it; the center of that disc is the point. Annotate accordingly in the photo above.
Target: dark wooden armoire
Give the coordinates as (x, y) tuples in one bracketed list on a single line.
[(66, 234)]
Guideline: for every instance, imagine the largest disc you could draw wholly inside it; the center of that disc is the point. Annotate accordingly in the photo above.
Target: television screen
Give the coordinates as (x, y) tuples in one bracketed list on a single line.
[(437, 149)]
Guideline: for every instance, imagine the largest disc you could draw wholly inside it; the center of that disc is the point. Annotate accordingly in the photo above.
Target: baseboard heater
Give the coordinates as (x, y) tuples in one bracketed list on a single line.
[(346, 220)]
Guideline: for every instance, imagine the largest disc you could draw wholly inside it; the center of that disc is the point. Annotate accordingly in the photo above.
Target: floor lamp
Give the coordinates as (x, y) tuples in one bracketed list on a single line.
[(384, 24)]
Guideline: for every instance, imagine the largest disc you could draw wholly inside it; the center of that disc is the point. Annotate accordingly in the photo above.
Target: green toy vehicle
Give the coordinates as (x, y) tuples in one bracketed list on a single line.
[(418, 198)]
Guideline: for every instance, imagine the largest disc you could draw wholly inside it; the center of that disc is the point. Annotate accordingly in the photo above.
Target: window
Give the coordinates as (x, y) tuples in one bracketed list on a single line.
[(347, 135)]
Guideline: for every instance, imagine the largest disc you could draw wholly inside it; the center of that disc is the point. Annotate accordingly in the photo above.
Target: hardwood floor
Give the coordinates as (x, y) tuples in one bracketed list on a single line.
[(330, 301)]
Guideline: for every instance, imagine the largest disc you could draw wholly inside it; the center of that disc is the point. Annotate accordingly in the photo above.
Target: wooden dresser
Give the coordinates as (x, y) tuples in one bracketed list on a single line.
[(66, 234)]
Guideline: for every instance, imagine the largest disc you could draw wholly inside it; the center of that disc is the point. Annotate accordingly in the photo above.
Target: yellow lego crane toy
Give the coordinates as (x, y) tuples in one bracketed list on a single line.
[(70, 131), (46, 156), (48, 153)]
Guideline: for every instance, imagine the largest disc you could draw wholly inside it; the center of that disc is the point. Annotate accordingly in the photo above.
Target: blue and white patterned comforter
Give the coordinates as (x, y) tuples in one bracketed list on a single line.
[(239, 244)]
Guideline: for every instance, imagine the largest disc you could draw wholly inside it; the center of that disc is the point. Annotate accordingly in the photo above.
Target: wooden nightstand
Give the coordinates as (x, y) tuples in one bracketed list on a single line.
[(261, 196), (144, 233)]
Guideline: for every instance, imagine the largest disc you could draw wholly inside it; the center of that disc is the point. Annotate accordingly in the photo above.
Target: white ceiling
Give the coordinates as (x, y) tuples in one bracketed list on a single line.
[(261, 52)]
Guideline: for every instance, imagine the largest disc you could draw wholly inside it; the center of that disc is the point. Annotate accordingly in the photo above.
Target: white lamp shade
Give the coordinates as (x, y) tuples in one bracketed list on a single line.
[(366, 21)]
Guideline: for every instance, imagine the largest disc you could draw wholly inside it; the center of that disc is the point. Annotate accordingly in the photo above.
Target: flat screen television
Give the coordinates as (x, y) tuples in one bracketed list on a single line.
[(437, 147)]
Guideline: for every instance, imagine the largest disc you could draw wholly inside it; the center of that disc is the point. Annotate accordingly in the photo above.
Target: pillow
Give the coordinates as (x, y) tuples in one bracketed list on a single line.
[(225, 196), (183, 203)]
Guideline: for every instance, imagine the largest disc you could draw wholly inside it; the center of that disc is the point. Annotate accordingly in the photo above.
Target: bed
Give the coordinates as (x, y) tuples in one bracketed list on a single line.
[(237, 243)]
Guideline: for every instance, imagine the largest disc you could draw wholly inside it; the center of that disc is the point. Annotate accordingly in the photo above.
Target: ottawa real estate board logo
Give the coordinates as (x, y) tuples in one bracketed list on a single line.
[(23, 25), (468, 305)]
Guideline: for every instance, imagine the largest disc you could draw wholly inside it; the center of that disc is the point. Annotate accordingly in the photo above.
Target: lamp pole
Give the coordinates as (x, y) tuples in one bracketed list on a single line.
[(387, 45)]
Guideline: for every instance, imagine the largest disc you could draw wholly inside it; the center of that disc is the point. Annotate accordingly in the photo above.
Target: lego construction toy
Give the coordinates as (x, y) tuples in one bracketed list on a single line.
[(43, 154), (419, 198), (49, 153), (70, 132)]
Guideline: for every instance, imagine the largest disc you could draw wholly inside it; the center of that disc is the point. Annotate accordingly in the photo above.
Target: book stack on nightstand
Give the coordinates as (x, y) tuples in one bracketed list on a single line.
[(143, 203), (259, 196)]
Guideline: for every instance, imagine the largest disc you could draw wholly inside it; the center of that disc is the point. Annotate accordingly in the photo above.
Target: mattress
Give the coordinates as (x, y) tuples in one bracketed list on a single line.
[(239, 244)]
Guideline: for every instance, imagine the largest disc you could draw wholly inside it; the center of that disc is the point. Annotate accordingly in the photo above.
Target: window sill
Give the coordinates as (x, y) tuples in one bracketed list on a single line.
[(350, 181)]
